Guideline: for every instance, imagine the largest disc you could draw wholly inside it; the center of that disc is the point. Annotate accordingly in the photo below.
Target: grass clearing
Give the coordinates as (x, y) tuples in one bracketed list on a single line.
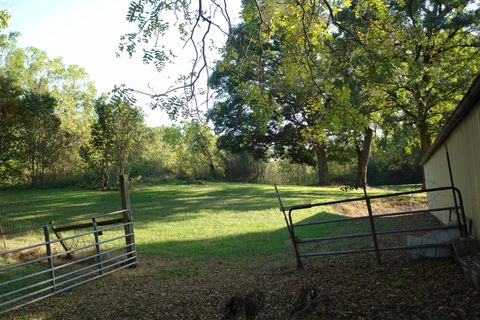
[(197, 222), (200, 244)]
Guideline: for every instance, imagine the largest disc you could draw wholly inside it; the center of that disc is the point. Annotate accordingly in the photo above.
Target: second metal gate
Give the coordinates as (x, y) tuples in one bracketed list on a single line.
[(457, 208)]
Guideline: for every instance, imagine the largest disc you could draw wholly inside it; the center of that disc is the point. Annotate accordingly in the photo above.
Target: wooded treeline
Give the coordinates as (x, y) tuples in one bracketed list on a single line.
[(305, 92)]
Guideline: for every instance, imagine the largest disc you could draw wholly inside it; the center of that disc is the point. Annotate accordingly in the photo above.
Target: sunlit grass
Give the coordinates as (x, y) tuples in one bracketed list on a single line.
[(173, 219)]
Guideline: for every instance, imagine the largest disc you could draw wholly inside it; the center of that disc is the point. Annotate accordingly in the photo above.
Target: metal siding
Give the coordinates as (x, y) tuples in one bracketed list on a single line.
[(436, 176), (464, 148)]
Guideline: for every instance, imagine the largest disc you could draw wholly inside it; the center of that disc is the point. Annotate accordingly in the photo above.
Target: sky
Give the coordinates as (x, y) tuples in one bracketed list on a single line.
[(87, 33)]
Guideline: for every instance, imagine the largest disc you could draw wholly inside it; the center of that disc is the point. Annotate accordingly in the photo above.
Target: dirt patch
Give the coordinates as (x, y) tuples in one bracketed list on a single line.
[(359, 208)]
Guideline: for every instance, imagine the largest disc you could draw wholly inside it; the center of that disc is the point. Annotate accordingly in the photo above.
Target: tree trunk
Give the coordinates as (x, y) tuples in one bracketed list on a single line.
[(322, 165), (363, 156), (213, 171), (105, 177), (425, 139), (425, 144), (32, 162)]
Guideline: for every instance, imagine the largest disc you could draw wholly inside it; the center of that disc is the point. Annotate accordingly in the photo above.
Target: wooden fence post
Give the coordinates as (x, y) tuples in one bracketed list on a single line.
[(127, 218)]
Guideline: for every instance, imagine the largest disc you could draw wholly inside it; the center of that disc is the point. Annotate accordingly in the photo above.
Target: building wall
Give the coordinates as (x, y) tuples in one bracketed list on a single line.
[(464, 149)]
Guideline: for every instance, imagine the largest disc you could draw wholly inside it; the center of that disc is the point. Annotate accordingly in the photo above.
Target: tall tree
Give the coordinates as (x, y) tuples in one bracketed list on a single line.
[(415, 58), (39, 134), (32, 70), (425, 54), (10, 162), (263, 107), (117, 137), (200, 150)]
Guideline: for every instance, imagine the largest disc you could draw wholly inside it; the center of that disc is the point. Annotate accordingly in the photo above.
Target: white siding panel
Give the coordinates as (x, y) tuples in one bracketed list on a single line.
[(464, 148)]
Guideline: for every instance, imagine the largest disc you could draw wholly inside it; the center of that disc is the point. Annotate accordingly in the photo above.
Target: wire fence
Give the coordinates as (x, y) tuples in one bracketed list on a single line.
[(59, 257), (10, 227)]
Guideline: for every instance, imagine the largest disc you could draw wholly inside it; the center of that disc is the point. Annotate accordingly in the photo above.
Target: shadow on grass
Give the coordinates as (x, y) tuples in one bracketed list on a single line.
[(267, 243), (252, 244), (161, 200), (154, 206), (154, 203), (241, 199)]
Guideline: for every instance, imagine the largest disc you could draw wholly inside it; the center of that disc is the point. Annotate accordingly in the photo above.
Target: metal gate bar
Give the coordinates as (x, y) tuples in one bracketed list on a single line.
[(369, 234), (366, 250), (381, 215)]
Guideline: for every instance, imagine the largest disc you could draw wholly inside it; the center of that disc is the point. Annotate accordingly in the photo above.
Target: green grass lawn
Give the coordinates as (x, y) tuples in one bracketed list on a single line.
[(173, 219)]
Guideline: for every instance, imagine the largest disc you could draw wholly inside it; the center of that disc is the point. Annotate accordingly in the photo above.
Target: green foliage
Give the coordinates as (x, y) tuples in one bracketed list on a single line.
[(298, 82), (39, 134), (396, 158), (158, 158), (4, 17), (31, 71), (284, 172), (425, 54), (244, 167), (184, 152), (268, 104), (198, 154), (10, 164), (117, 137)]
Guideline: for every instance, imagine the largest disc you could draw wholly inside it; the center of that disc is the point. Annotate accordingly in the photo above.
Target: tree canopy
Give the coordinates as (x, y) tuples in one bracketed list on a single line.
[(344, 86)]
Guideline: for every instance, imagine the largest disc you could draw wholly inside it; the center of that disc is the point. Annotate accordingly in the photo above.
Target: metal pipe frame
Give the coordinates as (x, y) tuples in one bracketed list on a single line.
[(66, 238), (381, 215), (369, 234), (53, 287), (61, 266), (39, 227), (51, 256)]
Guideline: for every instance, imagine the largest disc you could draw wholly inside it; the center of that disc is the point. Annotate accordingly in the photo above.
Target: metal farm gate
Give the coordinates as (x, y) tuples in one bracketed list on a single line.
[(42, 261), (373, 218), (65, 257)]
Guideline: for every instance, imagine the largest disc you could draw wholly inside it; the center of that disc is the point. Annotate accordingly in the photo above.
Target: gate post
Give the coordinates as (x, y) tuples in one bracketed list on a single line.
[(127, 220), (372, 228)]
